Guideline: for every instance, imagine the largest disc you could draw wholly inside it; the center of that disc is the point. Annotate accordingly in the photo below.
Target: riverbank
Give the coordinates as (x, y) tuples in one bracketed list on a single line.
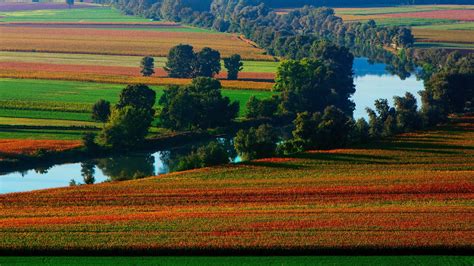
[(412, 194), (41, 155)]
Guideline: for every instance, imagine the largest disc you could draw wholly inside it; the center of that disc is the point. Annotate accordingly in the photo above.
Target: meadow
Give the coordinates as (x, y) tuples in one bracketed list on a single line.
[(63, 103), (443, 26), (410, 192)]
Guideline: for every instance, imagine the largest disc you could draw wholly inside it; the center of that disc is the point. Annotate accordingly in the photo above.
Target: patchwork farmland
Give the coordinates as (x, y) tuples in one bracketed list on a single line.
[(441, 26), (277, 176)]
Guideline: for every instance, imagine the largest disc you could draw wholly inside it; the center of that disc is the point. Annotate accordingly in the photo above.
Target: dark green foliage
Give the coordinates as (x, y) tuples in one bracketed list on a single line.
[(183, 62), (138, 96), (382, 121), (127, 128), (89, 143), (101, 111), (312, 85), (196, 106), (208, 63), (262, 108), (408, 118), (234, 65), (180, 61), (256, 143), (322, 131), (147, 66), (360, 133), (129, 122), (209, 155)]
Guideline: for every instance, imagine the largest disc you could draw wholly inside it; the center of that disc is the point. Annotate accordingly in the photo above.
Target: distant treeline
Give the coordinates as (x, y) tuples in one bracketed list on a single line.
[(290, 35), (353, 3)]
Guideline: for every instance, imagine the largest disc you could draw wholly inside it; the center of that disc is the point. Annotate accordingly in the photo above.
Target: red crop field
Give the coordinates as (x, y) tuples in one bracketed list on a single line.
[(16, 146), (413, 191), (462, 15), (121, 75), (76, 70)]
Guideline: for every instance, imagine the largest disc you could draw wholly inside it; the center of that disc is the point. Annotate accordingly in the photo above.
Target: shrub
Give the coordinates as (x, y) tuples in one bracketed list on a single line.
[(256, 143)]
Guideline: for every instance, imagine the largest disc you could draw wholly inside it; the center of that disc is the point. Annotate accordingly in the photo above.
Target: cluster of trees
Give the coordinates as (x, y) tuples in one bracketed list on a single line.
[(183, 62), (127, 123), (199, 105)]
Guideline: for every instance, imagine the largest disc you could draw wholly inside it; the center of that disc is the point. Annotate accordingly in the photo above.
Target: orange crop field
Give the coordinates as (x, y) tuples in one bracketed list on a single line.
[(119, 42), (434, 35), (17, 146), (124, 79), (461, 15), (413, 191)]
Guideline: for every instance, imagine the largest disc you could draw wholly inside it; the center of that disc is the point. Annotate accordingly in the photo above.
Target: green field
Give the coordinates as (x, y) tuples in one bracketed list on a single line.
[(99, 14), (61, 103), (239, 260)]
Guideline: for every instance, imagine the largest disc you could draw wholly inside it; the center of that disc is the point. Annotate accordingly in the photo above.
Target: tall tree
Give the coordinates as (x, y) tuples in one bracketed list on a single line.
[(181, 60), (147, 66), (207, 63), (234, 65), (138, 96), (101, 111)]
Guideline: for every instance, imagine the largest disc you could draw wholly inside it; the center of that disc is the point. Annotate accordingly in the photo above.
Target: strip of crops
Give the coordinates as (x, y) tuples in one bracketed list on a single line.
[(118, 42), (412, 191), (118, 79)]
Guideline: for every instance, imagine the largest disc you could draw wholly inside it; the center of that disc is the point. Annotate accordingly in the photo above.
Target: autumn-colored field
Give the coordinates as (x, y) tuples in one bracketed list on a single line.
[(433, 35), (414, 191), (462, 15), (71, 71), (124, 79), (15, 146), (119, 42)]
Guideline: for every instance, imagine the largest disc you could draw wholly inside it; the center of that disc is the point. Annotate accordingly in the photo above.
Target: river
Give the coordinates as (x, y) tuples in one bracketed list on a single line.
[(372, 82)]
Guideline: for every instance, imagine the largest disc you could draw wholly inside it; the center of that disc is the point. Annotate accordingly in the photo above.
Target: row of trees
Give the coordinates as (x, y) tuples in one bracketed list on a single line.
[(183, 62)]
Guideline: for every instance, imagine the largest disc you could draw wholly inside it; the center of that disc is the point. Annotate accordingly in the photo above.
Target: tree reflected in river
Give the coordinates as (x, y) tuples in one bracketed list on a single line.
[(127, 167)]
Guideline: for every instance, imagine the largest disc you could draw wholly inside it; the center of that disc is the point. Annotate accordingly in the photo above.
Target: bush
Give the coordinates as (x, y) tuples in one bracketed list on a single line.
[(205, 156), (256, 143)]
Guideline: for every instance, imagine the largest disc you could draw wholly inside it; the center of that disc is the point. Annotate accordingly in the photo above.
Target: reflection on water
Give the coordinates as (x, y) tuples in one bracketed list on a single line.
[(372, 82), (114, 168)]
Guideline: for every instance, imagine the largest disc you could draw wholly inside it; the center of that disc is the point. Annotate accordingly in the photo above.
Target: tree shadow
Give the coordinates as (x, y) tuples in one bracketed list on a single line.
[(345, 157), (274, 165)]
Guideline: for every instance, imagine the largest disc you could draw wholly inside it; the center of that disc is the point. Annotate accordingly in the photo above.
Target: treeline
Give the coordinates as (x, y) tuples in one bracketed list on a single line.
[(277, 33), (362, 3)]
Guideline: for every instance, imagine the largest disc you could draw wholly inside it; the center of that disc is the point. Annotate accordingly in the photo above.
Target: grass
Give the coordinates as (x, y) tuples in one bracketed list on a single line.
[(99, 14), (41, 134), (413, 191), (66, 100), (240, 260)]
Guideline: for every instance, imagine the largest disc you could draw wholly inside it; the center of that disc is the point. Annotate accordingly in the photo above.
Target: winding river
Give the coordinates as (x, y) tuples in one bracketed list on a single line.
[(372, 82)]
